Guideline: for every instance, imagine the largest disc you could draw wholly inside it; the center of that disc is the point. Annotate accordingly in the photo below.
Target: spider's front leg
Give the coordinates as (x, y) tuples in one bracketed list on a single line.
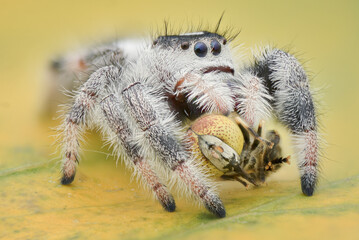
[(88, 97), (150, 117), (116, 120), (293, 104)]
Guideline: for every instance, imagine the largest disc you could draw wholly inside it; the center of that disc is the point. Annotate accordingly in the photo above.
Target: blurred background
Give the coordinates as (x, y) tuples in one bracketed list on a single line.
[(103, 202)]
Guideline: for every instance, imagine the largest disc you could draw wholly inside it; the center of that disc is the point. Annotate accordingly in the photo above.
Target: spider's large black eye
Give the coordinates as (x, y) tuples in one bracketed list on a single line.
[(200, 49), (215, 47)]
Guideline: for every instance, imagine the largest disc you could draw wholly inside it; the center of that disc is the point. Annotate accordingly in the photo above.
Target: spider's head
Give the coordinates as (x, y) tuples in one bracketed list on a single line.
[(197, 68), (199, 52)]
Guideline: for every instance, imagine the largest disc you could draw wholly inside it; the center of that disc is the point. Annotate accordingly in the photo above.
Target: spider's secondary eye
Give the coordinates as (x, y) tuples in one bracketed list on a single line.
[(185, 45), (215, 47), (200, 49)]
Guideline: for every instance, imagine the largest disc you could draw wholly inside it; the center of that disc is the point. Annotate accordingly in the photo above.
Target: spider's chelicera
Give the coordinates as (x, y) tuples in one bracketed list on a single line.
[(140, 92)]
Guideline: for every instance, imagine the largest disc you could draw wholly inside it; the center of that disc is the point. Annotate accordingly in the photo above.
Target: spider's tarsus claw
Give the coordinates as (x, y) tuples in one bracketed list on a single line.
[(217, 209), (66, 180), (307, 186), (169, 206), (221, 213), (214, 204)]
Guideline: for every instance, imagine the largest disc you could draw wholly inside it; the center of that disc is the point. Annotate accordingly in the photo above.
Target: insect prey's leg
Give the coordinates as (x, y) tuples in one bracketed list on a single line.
[(84, 102), (292, 101), (170, 149), (257, 137), (244, 183), (115, 118)]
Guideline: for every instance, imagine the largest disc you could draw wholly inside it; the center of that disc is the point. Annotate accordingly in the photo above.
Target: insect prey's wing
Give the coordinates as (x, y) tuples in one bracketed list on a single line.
[(217, 152)]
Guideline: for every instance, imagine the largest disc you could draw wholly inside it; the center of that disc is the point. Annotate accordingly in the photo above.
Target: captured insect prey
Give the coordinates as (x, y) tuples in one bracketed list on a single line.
[(139, 93), (249, 159)]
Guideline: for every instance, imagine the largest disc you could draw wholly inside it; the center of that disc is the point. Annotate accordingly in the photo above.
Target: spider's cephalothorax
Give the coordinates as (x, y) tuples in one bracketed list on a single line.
[(140, 92)]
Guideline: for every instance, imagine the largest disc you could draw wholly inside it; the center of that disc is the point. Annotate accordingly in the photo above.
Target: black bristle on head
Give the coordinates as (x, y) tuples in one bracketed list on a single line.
[(219, 23), (169, 32), (166, 27)]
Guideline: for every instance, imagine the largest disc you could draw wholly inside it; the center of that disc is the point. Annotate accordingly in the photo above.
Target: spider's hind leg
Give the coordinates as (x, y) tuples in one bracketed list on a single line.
[(79, 114)]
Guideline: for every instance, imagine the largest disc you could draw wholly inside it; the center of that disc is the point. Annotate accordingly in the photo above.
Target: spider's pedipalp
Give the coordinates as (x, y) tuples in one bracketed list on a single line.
[(252, 98), (293, 104)]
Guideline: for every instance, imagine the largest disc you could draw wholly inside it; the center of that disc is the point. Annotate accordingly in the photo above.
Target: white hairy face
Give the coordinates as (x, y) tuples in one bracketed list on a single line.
[(198, 67), (194, 53)]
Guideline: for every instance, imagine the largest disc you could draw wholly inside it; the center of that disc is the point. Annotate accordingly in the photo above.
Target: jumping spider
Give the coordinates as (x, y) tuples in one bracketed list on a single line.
[(139, 93)]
